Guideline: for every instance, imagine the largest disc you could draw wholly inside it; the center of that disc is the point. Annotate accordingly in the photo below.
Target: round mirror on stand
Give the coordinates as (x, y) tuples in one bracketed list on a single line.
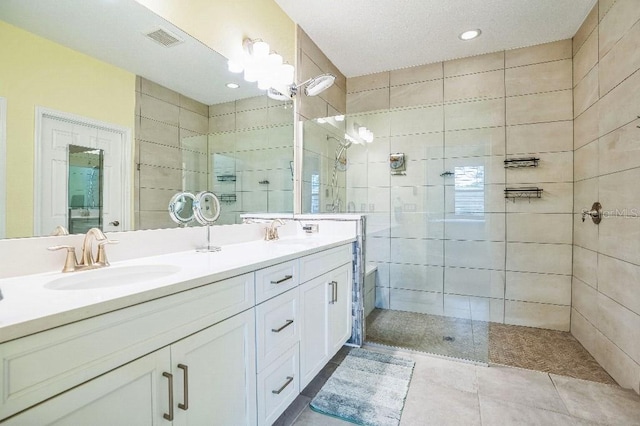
[(207, 211), (181, 208)]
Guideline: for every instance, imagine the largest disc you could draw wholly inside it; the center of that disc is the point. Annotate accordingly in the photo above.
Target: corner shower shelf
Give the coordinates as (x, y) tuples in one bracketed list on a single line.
[(513, 163), (525, 192), (227, 198)]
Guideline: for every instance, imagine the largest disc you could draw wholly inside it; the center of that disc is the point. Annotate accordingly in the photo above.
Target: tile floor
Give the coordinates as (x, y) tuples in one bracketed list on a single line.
[(448, 392)]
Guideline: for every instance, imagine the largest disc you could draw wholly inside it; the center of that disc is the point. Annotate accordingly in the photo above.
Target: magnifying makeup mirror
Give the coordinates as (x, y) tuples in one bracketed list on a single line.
[(207, 211), (181, 208)]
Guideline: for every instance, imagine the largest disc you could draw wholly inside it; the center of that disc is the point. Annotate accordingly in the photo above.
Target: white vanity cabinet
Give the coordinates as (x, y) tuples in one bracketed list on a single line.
[(325, 303), (206, 378)]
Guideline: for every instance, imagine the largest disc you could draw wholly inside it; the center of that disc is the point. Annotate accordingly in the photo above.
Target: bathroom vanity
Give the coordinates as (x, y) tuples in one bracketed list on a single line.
[(225, 338)]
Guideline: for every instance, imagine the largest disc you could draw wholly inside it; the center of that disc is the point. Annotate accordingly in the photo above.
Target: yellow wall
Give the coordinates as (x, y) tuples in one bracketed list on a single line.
[(38, 72), (223, 24)]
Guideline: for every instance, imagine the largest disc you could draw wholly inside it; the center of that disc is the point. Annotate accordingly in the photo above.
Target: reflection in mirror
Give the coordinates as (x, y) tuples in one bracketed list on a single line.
[(85, 188), (207, 208), (173, 99), (181, 208)]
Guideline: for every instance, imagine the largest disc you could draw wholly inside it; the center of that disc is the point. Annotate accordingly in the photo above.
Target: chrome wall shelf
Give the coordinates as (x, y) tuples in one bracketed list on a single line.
[(525, 192), (513, 163)]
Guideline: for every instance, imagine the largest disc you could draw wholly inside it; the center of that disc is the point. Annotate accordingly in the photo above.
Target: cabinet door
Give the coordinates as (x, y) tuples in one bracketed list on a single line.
[(218, 364), (314, 337), (134, 394), (340, 308)]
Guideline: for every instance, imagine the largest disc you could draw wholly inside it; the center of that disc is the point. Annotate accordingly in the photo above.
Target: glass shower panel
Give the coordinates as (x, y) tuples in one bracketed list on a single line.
[(85, 183)]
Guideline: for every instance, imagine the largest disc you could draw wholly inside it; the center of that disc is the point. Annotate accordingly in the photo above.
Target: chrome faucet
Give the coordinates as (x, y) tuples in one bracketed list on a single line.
[(87, 261), (271, 232)]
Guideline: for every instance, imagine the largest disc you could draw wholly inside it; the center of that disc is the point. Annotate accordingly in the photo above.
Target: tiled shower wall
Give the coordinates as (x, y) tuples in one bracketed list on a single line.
[(491, 259), (606, 265), (251, 156), (170, 151)]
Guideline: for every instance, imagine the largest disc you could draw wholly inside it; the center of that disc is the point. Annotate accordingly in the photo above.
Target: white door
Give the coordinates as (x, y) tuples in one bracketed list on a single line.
[(58, 131)]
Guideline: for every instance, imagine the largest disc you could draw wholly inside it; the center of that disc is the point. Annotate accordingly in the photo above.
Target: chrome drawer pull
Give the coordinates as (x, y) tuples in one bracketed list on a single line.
[(185, 369), (286, 324), (170, 415), (280, 281), (289, 380)]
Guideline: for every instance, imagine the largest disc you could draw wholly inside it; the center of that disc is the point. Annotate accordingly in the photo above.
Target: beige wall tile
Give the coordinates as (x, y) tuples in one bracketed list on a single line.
[(540, 53), (620, 325), (618, 364), (553, 167), (620, 105), (160, 178), (619, 150), (585, 159), (368, 82), (477, 114), (156, 199), (540, 228), (222, 123), (221, 109), (314, 107), (539, 315), (490, 228), (193, 105), (416, 120), (542, 107), (193, 121), (257, 102), (153, 154), (473, 64), (621, 61), (150, 88), (416, 74), (619, 237), (494, 201), (154, 131), (540, 137), (370, 100), (472, 86), (620, 281), (584, 331), (156, 220), (474, 142), (378, 122), (423, 93), (193, 141), (416, 301), (585, 266), (159, 110), (493, 167), (622, 15), (584, 235), (585, 300), (590, 23), (544, 77), (417, 252), (418, 146), (541, 288), (619, 193), (603, 7), (485, 309), (475, 254), (585, 58), (585, 93), (586, 126), (543, 258), (556, 198), (415, 277), (336, 97), (474, 282)]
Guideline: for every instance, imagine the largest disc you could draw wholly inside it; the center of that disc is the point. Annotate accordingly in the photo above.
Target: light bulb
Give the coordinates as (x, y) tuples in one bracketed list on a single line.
[(260, 49), (339, 117), (251, 74), (235, 67), (470, 35)]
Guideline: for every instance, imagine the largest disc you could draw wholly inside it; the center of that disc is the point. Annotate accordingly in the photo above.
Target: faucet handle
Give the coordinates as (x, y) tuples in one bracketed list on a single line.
[(71, 260), (102, 255)]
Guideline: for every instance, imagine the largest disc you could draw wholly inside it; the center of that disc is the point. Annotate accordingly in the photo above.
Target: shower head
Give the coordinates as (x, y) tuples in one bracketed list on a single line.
[(344, 143), (318, 84)]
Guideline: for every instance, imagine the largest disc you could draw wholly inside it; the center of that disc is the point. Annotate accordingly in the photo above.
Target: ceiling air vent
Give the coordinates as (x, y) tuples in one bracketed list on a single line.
[(164, 37)]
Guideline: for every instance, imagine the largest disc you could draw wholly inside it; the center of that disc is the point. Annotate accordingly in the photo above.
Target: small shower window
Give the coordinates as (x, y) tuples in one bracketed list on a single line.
[(469, 191)]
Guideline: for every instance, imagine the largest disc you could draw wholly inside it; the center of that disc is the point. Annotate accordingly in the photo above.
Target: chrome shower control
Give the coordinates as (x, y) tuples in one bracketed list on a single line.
[(595, 213)]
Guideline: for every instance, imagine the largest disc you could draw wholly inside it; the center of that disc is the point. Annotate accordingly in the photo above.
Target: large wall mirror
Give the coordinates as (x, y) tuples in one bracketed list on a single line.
[(103, 66)]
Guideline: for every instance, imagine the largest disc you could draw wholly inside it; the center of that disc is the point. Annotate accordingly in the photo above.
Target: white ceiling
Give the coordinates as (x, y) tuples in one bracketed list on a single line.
[(368, 36), (114, 31)]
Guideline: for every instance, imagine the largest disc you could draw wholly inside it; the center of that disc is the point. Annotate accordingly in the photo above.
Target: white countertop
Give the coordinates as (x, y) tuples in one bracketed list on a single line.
[(29, 307)]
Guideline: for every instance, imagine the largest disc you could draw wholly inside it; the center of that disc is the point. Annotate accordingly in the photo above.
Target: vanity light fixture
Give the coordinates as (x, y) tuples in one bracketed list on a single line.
[(470, 35), (232, 85)]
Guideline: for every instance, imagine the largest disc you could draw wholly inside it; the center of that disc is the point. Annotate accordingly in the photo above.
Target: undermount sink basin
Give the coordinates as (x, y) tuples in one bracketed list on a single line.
[(111, 277)]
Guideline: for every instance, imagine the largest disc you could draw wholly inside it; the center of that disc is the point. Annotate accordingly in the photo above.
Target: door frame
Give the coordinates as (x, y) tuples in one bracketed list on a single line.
[(126, 165), (3, 167)]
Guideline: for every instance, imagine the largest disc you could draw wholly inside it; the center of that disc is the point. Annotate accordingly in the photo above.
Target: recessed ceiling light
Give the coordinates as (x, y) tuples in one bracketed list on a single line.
[(232, 85), (470, 35)]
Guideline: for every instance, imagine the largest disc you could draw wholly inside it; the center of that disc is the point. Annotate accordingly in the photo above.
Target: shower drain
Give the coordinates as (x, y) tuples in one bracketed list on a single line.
[(448, 338)]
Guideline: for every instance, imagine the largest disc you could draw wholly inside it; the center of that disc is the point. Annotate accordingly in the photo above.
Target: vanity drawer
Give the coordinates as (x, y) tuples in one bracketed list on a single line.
[(42, 365), (277, 327), (278, 386), (317, 264), (276, 279)]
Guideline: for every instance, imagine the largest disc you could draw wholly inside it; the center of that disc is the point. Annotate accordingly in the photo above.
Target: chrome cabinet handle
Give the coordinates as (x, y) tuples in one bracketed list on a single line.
[(170, 415), (280, 281), (335, 292), (289, 380), (286, 324), (185, 369), (331, 285)]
